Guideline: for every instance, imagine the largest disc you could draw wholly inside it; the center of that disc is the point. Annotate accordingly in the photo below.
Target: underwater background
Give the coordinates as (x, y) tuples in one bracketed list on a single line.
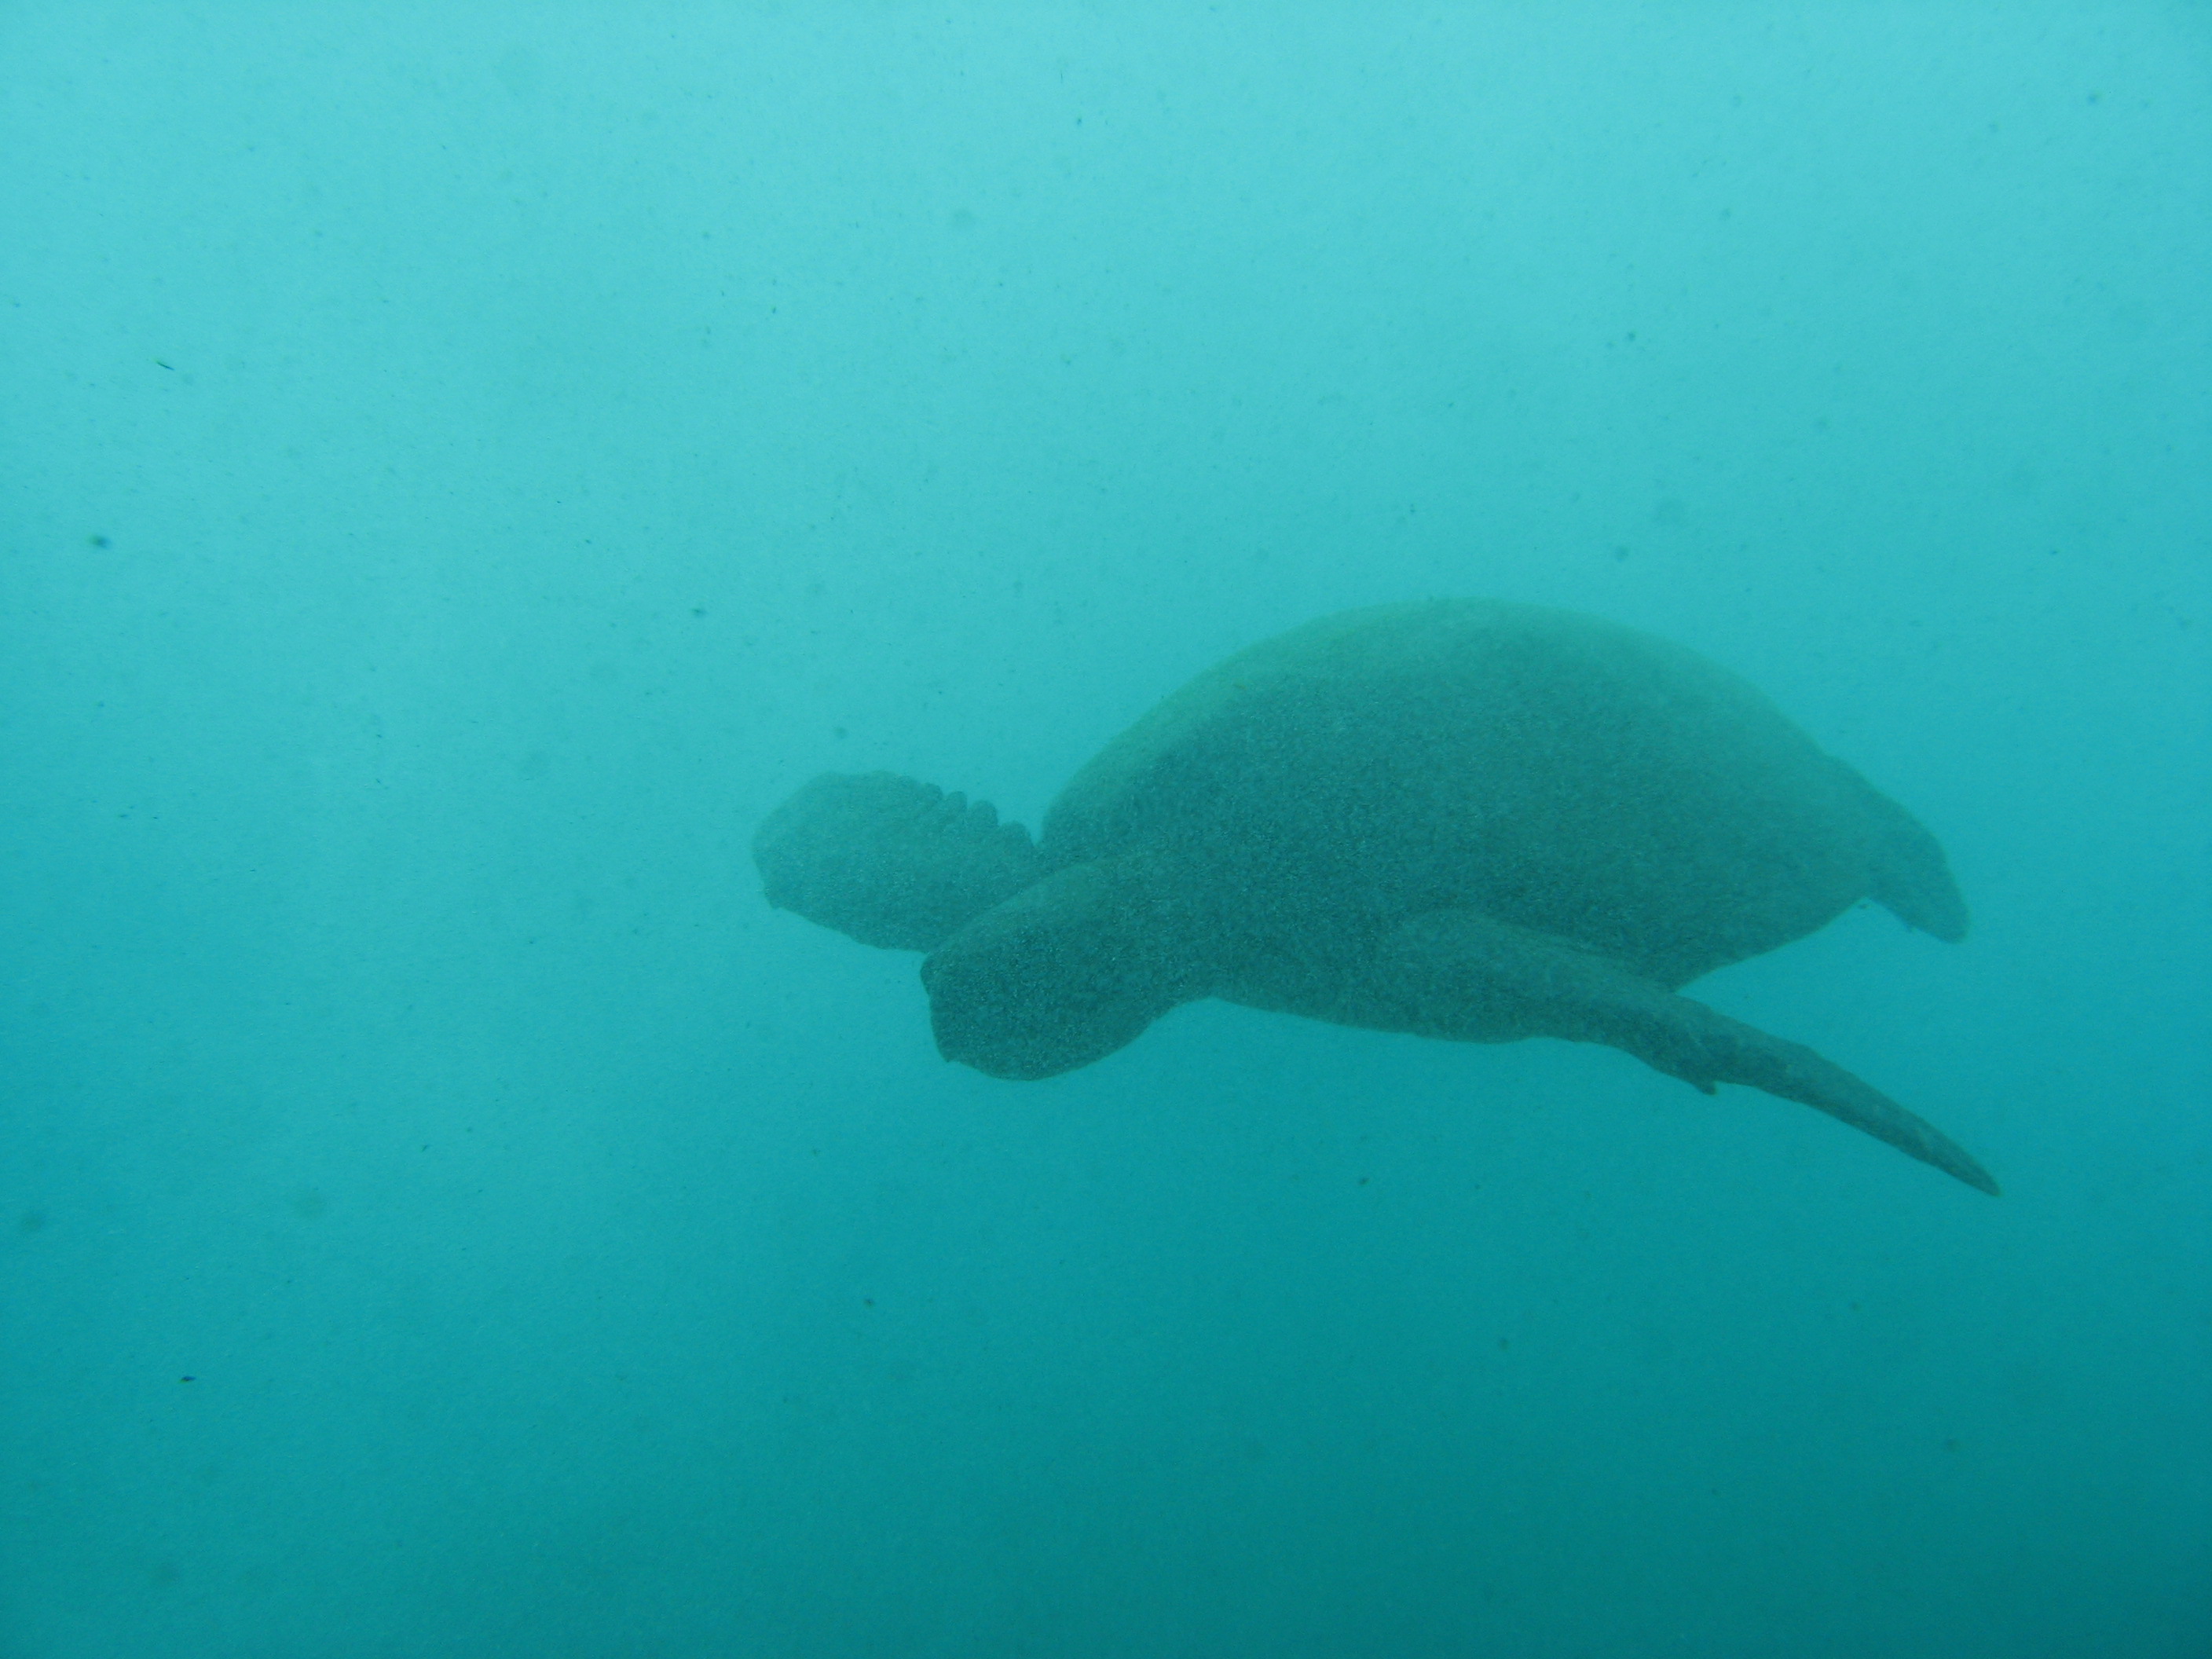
[(464, 464)]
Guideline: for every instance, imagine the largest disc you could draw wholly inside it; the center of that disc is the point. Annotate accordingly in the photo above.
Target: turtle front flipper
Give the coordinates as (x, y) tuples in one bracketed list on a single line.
[(889, 861), (1460, 973), (1068, 970)]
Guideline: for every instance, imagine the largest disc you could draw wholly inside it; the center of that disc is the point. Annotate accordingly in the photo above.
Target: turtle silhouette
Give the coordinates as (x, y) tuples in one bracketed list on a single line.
[(1459, 818)]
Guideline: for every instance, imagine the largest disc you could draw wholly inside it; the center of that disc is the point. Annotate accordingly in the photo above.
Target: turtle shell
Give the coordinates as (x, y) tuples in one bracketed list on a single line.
[(1556, 771)]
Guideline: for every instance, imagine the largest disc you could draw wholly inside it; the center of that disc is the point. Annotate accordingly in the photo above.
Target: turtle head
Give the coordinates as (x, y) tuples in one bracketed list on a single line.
[(889, 861), (1067, 970)]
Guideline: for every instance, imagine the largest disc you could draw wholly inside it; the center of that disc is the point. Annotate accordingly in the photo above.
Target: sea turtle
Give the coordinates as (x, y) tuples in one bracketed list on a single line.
[(1458, 817)]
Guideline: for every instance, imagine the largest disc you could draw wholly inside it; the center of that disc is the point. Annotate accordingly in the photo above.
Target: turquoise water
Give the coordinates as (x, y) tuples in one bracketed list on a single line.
[(461, 466)]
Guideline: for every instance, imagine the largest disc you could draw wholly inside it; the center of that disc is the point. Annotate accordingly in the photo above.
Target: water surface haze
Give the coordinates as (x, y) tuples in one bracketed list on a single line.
[(462, 466)]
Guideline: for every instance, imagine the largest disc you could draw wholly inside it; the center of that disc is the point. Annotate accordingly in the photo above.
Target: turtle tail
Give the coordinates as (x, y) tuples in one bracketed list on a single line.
[(891, 861)]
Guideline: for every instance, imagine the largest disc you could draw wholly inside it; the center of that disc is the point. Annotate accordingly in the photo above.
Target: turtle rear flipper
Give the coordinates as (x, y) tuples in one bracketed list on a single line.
[(1911, 876), (891, 861), (1456, 973)]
